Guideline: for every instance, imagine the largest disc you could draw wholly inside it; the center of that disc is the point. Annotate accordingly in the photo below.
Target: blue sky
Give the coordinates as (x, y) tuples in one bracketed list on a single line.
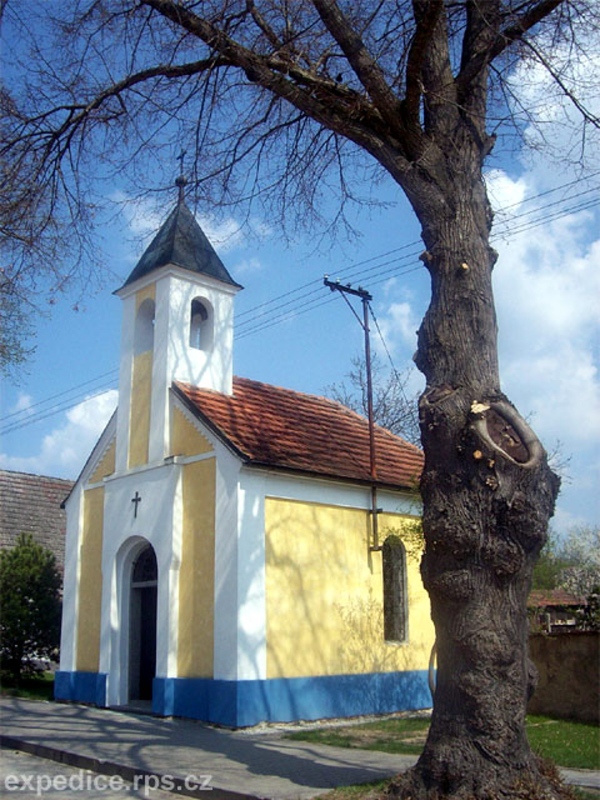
[(293, 332)]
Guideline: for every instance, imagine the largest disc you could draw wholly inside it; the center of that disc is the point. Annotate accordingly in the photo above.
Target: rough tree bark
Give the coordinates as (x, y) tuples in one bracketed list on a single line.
[(488, 494)]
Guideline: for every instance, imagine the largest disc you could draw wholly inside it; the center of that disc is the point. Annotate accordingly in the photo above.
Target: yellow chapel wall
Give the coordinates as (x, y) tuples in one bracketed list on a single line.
[(107, 464), (141, 395), (325, 593), (186, 440), (90, 582), (196, 574)]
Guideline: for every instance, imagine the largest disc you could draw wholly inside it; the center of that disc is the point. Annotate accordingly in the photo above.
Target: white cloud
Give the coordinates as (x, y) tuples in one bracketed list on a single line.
[(553, 120), (503, 191), (398, 325), (399, 322), (547, 284), (227, 234), (400, 319), (64, 450), (144, 219), (247, 266), (141, 216), (547, 280), (224, 235), (23, 405)]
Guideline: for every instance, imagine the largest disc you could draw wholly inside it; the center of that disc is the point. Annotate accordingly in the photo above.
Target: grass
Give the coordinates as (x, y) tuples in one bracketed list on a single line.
[(362, 791), (38, 688), (405, 735), (570, 744)]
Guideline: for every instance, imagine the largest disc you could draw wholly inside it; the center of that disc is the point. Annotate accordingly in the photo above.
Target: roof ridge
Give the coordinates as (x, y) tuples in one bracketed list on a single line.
[(298, 392), (311, 396), (36, 475), (336, 403)]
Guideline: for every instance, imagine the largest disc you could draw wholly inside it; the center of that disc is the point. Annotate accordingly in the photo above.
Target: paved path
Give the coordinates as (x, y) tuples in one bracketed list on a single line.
[(241, 764), (180, 755), (28, 777)]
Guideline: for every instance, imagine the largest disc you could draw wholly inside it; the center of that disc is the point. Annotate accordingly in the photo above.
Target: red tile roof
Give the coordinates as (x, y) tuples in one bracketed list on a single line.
[(542, 598), (32, 504), (274, 427)]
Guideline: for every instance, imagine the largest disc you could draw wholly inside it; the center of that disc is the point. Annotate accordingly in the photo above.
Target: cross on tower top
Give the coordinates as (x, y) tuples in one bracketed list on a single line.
[(181, 180)]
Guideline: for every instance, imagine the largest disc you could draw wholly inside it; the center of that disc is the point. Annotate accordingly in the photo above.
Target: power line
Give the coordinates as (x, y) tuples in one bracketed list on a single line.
[(113, 373), (51, 412), (308, 297), (395, 372), (545, 193), (248, 319), (546, 218), (311, 305), (358, 271)]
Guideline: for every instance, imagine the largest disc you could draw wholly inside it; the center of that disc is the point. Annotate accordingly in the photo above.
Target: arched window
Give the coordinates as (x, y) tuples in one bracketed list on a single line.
[(200, 325), (144, 327), (394, 590), (145, 568)]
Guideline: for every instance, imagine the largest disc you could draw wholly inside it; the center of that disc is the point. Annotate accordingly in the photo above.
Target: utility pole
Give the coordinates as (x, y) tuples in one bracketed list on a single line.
[(365, 298)]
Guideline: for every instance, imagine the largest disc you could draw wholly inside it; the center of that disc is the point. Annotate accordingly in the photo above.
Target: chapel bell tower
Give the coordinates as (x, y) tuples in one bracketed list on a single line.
[(177, 326)]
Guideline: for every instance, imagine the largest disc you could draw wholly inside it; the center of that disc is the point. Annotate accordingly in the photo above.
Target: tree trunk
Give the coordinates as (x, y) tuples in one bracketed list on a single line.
[(488, 494)]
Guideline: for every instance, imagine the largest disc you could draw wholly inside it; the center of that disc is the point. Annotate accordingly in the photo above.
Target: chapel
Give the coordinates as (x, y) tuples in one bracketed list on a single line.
[(230, 554)]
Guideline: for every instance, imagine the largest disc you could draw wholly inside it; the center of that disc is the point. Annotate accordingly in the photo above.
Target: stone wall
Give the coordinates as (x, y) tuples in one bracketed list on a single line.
[(569, 681)]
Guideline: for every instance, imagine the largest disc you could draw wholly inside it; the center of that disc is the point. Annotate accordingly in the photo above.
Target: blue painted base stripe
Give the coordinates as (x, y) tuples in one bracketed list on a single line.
[(243, 703), (80, 687)]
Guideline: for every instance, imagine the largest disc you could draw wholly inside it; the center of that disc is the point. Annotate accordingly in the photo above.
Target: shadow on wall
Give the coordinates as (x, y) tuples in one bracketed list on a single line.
[(325, 610)]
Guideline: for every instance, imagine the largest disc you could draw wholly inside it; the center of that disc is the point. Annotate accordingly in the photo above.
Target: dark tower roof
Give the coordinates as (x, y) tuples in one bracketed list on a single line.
[(181, 242)]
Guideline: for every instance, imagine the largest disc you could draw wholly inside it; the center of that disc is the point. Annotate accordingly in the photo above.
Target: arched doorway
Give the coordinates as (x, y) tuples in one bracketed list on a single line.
[(142, 625)]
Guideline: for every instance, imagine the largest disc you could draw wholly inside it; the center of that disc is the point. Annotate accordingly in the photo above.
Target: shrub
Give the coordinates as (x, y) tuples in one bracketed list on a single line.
[(30, 607)]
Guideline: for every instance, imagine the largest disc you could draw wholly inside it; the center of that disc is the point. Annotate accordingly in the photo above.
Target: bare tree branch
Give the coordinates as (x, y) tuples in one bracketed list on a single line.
[(361, 61), (503, 37), (566, 91)]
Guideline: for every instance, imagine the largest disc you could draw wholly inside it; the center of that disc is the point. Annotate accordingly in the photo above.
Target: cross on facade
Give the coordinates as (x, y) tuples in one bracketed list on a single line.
[(136, 499)]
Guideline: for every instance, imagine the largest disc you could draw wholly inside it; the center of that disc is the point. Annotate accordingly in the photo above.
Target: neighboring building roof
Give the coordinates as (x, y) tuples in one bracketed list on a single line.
[(554, 598), (32, 504), (274, 427), (181, 241)]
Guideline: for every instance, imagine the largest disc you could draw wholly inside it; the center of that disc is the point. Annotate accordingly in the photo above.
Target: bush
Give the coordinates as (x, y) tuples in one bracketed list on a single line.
[(30, 607)]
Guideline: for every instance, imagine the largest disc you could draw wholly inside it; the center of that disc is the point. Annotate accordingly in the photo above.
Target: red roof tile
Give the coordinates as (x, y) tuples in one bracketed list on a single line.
[(275, 427), (32, 504), (542, 598)]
